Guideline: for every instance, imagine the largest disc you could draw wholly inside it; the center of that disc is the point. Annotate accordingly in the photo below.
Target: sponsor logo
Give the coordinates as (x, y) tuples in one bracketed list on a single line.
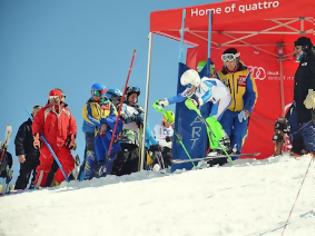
[(258, 72), (241, 80)]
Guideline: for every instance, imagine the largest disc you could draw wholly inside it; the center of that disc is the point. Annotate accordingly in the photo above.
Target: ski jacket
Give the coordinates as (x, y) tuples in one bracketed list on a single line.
[(242, 87), (5, 162), (93, 112), (24, 140), (162, 133), (56, 128), (304, 79), (210, 90), (133, 120)]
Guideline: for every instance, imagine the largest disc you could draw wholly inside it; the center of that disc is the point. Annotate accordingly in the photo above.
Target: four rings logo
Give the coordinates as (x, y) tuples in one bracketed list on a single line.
[(258, 72)]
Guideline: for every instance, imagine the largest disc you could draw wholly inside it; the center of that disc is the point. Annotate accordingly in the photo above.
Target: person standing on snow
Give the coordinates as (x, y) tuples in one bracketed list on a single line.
[(27, 154), (201, 91), (164, 134), (104, 159), (92, 114), (56, 123), (242, 86), (304, 92), (132, 114)]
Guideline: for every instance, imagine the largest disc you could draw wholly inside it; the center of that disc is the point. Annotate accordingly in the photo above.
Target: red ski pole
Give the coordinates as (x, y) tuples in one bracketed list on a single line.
[(121, 103)]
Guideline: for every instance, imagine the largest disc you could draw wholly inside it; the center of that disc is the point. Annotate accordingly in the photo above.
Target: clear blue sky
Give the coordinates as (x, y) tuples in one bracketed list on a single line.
[(71, 44)]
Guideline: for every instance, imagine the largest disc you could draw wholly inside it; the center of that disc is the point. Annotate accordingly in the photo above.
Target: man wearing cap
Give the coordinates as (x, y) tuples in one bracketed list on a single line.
[(28, 156), (243, 91), (58, 126), (304, 92)]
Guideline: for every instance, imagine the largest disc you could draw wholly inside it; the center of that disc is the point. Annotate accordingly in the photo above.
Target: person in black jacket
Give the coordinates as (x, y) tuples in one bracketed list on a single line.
[(304, 94), (28, 156)]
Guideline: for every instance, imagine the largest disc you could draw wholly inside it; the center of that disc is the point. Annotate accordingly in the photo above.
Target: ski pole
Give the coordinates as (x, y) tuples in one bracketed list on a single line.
[(55, 157), (121, 103), (191, 106)]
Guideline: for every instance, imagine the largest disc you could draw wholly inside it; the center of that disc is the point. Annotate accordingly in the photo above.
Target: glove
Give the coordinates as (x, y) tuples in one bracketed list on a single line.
[(103, 129), (195, 100), (163, 102), (243, 115), (309, 102), (36, 142), (154, 148), (71, 143)]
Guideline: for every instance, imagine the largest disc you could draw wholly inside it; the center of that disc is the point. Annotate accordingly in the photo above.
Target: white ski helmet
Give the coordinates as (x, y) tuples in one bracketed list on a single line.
[(190, 77)]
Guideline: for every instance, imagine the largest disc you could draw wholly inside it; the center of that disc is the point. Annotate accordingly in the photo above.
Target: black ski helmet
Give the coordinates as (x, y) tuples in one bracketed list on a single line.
[(305, 42), (131, 90)]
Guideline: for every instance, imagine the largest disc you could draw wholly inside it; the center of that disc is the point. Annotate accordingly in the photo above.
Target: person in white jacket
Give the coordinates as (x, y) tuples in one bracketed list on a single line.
[(202, 90)]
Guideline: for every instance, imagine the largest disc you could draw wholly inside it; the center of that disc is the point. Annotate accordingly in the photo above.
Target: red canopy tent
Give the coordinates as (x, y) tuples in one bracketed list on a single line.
[(264, 33)]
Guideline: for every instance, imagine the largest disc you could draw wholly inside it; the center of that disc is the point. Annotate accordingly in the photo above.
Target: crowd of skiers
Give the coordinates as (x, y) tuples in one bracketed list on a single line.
[(112, 146)]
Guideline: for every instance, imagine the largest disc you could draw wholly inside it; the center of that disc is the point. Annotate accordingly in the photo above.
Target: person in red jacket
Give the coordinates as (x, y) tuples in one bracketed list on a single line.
[(58, 126)]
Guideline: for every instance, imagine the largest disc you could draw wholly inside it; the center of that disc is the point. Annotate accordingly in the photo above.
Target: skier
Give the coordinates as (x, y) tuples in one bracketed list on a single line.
[(58, 126), (91, 114), (164, 134), (243, 91), (28, 156), (201, 91), (304, 92), (104, 159), (127, 160)]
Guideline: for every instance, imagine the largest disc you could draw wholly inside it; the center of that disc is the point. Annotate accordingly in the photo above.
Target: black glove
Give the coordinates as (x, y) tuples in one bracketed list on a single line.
[(154, 148), (195, 100), (168, 139)]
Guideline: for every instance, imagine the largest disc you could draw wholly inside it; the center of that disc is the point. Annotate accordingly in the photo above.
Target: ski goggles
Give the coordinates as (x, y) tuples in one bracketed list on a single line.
[(133, 90), (98, 93), (227, 57)]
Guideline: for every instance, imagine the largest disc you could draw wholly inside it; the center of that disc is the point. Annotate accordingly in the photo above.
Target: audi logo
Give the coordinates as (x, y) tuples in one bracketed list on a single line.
[(257, 72)]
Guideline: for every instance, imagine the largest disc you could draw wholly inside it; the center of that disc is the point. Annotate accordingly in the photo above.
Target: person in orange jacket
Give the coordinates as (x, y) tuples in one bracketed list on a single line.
[(56, 123)]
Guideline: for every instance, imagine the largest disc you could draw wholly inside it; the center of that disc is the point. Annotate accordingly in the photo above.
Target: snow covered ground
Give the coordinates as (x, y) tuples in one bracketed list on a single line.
[(248, 198)]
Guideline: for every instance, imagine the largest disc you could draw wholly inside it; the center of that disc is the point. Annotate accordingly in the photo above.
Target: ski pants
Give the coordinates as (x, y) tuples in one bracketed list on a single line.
[(127, 160), (308, 135), (235, 129), (27, 169), (46, 161), (296, 138), (87, 167)]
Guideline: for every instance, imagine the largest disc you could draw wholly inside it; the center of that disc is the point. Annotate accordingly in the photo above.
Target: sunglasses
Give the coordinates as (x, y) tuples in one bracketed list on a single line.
[(227, 57)]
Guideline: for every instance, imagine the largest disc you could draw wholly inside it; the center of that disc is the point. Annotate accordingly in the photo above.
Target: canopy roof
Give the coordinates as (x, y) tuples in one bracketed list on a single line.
[(239, 23)]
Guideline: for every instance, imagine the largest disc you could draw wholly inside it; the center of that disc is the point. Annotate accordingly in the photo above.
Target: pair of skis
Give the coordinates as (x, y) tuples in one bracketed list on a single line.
[(213, 157)]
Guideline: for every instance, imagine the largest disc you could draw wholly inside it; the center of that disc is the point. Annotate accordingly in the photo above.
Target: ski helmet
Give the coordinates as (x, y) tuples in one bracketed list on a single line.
[(113, 93), (169, 117), (131, 90), (98, 89), (190, 77), (202, 64)]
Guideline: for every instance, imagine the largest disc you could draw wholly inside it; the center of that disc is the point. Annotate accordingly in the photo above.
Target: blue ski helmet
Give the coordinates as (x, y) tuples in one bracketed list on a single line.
[(98, 89), (113, 93)]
